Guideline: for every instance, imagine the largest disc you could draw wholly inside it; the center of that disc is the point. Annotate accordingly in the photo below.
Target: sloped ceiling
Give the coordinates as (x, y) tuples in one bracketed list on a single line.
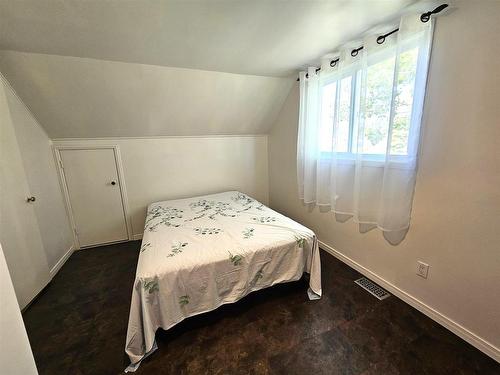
[(149, 68), (261, 37), (75, 97)]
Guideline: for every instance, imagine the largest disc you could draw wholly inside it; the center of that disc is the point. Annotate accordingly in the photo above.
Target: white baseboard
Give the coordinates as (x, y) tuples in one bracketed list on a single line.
[(473, 339), (137, 236), (61, 262)]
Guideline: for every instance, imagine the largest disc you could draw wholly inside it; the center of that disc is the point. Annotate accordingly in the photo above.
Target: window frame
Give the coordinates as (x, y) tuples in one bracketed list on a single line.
[(354, 71)]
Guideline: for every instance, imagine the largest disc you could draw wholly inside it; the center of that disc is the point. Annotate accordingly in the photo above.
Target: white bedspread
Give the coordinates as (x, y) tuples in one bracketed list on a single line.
[(199, 253)]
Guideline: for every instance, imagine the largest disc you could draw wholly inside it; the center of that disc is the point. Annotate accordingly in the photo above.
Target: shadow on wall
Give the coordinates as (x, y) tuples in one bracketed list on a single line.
[(392, 237)]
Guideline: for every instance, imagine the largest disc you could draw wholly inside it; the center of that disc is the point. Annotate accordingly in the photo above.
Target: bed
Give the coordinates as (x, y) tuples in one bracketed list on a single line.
[(199, 253)]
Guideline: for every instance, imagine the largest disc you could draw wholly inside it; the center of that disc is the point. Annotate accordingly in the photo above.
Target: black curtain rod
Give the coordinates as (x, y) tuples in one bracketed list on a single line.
[(424, 17)]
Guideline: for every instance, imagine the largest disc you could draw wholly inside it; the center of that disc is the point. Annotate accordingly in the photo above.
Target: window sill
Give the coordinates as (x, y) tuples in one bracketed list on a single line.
[(370, 160)]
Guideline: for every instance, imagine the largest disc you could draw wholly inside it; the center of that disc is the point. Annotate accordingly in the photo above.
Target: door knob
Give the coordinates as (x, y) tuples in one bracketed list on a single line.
[(113, 182), (30, 199)]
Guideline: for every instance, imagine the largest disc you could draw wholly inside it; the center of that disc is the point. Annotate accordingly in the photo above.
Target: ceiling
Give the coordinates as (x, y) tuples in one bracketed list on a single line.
[(259, 37), (143, 68), (74, 97)]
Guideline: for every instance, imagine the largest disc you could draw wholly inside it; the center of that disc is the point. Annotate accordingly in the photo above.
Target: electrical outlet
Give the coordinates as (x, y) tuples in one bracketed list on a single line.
[(422, 269)]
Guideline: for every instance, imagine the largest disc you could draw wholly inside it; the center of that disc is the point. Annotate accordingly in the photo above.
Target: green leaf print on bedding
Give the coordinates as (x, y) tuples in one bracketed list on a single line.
[(204, 231), (165, 215), (264, 219), (151, 286), (235, 259), (199, 216), (177, 249), (300, 241), (202, 205), (145, 246), (165, 222), (212, 208), (248, 232), (259, 275), (242, 199), (183, 300)]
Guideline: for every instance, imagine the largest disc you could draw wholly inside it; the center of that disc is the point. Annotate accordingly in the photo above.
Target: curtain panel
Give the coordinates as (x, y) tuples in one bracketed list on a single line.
[(359, 127)]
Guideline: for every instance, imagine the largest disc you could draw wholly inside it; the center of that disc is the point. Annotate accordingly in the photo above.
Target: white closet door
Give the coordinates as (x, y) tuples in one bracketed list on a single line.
[(19, 232), (94, 192)]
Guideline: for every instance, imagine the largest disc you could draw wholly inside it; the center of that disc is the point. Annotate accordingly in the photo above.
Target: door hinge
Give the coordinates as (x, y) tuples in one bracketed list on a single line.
[(61, 164), (76, 232)]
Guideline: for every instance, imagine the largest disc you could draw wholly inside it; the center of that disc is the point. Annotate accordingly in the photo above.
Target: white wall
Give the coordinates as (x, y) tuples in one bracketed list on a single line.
[(176, 167), (19, 231), (39, 166), (456, 212), (16, 357)]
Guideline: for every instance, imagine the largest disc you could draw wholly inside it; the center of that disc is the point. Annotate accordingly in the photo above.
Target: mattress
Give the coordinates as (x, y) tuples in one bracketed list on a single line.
[(202, 252)]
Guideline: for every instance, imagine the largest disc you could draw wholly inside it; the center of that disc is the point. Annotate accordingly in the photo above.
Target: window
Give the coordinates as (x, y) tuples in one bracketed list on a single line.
[(359, 126), (348, 130)]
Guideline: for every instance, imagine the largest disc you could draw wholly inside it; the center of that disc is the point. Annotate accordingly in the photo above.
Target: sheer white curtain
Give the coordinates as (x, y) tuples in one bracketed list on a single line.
[(359, 127)]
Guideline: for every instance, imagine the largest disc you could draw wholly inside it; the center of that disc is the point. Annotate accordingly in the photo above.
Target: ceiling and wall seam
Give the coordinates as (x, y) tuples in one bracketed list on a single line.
[(215, 136), (290, 76), (7, 83)]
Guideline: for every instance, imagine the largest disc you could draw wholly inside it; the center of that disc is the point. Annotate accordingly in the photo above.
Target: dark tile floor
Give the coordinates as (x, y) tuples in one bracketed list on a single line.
[(78, 326)]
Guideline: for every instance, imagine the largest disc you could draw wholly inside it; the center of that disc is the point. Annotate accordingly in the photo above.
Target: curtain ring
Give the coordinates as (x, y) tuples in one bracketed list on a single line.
[(381, 39), (355, 51), (425, 17), (333, 63)]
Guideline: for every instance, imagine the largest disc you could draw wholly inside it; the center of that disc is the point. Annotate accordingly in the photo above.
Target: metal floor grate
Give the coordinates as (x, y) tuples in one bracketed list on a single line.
[(372, 288)]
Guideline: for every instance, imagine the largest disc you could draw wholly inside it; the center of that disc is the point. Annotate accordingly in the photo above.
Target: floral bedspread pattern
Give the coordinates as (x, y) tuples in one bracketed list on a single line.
[(199, 253)]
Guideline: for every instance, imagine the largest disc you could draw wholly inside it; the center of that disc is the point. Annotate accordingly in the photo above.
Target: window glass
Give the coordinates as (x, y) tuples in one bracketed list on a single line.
[(377, 107), (403, 102), (343, 126), (346, 129)]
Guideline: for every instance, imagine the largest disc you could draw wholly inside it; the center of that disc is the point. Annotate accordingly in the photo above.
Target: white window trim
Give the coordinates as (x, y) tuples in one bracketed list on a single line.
[(353, 71)]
